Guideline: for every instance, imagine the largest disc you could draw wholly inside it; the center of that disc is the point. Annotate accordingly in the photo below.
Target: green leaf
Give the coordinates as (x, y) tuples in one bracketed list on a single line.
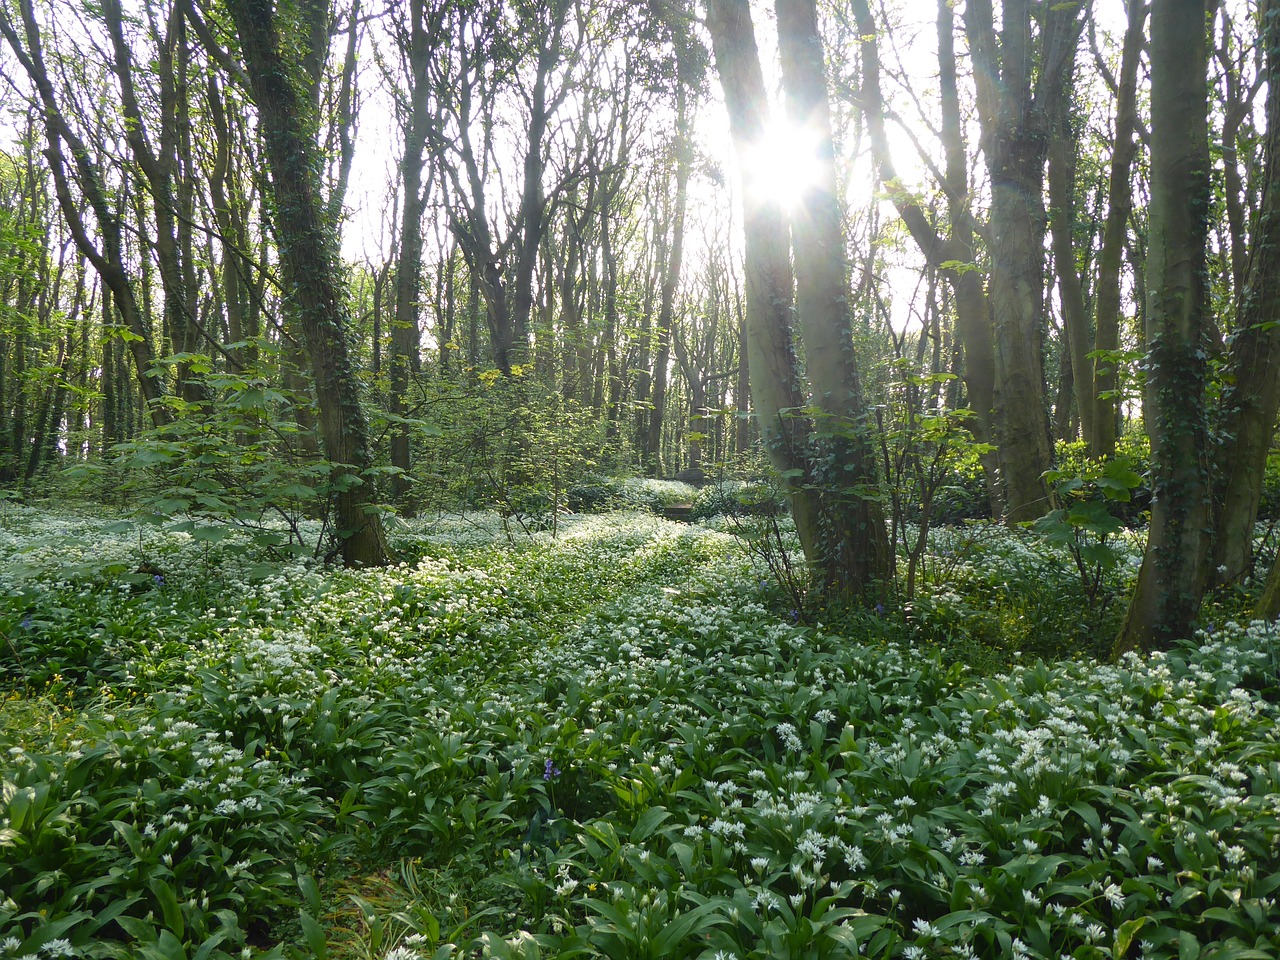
[(166, 947), (648, 822), (210, 534), (688, 926), (314, 934), (1125, 934), (210, 944), (1235, 950), (51, 930), (129, 833), (164, 893)]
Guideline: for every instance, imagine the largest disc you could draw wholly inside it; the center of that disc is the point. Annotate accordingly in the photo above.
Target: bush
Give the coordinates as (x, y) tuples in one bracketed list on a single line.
[(738, 498), (646, 493)]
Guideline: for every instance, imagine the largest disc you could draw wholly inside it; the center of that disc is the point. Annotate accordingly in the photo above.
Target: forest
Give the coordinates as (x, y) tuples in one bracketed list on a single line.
[(639, 479)]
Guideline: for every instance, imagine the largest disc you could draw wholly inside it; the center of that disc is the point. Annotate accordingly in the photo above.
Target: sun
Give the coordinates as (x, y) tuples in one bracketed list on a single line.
[(783, 164)]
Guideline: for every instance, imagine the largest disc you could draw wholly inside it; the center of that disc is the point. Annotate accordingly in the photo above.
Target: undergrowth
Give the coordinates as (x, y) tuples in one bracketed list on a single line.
[(611, 743)]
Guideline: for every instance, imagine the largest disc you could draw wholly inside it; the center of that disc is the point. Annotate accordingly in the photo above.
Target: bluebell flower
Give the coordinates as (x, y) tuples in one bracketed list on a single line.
[(550, 770), (26, 622)]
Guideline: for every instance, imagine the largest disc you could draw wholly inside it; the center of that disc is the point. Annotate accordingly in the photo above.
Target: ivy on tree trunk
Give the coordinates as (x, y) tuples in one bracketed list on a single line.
[(313, 275)]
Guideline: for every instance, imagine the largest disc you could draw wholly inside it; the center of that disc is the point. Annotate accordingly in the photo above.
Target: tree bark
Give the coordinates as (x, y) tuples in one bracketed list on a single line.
[(855, 544), (405, 337), (1166, 599), (776, 394), (313, 276), (1014, 109), (1107, 302), (683, 150), (1251, 394), (1075, 316), (953, 255), (156, 154), (109, 261)]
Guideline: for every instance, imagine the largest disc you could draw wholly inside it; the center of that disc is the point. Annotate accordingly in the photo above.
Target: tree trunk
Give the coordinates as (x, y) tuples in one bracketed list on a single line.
[(1251, 395), (776, 394), (532, 215), (1075, 316), (855, 545), (1015, 107), (155, 154), (1166, 599), (613, 388), (953, 255), (742, 384), (405, 340), (1107, 303), (683, 150), (109, 261), (313, 276)]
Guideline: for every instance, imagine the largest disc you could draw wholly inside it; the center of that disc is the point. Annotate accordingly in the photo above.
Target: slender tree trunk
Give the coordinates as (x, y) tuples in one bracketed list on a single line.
[(609, 261), (542, 105), (697, 402), (49, 414), (1075, 315), (1235, 108), (683, 149), (1251, 395), (233, 266), (155, 154), (313, 275), (405, 340), (742, 384), (655, 257), (108, 261), (953, 255), (1111, 256), (473, 320), (1166, 599), (572, 386)]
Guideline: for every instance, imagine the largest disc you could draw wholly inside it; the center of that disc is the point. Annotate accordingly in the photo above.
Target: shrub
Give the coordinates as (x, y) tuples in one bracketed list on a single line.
[(738, 498)]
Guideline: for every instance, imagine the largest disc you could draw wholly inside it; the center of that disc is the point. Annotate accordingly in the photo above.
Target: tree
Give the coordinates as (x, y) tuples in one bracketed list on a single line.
[(855, 545), (682, 148), (489, 62), (1016, 107), (107, 252), (952, 252), (417, 40), (1103, 396), (164, 161), (846, 548), (1251, 380), (313, 273), (1166, 599)]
